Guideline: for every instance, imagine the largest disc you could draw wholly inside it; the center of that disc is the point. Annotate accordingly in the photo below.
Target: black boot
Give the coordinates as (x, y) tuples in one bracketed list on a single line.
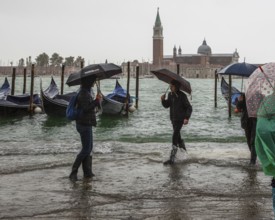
[(182, 145), (76, 165), (172, 158), (87, 167)]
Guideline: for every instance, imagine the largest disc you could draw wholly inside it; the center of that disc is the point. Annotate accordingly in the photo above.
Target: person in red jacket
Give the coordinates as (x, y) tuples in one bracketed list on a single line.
[(180, 112)]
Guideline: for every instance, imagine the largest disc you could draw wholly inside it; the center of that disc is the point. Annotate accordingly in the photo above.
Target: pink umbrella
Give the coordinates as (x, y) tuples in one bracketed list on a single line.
[(259, 84)]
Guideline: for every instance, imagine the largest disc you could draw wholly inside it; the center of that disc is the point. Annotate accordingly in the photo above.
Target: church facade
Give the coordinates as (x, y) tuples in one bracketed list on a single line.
[(203, 64)]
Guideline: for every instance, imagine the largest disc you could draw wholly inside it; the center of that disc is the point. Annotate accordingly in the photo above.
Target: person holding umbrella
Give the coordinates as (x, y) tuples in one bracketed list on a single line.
[(180, 112), (86, 77), (84, 127)]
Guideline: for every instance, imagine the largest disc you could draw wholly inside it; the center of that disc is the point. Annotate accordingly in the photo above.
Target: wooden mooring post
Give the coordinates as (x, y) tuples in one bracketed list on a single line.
[(62, 79), (229, 96), (128, 87), (215, 92), (13, 80), (31, 107), (137, 85), (24, 80), (178, 69)]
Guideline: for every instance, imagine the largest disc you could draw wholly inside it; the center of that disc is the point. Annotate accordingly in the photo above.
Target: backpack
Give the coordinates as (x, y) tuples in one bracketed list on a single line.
[(72, 111)]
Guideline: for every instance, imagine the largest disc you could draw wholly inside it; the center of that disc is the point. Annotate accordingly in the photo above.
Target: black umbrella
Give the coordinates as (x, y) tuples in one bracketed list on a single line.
[(94, 71), (167, 76), (238, 69)]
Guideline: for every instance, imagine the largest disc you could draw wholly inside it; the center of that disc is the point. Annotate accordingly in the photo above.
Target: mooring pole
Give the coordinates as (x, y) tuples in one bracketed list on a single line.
[(178, 69), (137, 85), (128, 85), (215, 92), (13, 80), (62, 79), (229, 96), (31, 91), (24, 80)]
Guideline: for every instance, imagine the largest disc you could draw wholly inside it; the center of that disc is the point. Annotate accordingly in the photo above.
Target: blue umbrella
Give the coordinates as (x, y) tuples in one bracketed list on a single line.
[(238, 69)]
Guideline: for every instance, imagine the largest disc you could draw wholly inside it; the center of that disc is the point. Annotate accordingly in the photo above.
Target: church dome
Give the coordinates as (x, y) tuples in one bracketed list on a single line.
[(204, 49)]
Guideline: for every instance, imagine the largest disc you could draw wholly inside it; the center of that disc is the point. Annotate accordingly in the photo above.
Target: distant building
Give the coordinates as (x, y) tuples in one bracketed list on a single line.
[(203, 64)]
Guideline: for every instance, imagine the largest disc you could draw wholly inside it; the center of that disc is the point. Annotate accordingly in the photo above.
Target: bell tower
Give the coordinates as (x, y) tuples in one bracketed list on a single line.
[(157, 41)]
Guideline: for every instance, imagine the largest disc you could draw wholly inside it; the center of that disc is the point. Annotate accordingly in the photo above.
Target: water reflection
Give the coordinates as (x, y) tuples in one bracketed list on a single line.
[(109, 121), (81, 200), (176, 204), (249, 188), (54, 122)]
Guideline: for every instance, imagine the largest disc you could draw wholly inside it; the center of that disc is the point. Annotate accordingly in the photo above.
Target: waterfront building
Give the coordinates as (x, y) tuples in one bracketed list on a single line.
[(202, 64)]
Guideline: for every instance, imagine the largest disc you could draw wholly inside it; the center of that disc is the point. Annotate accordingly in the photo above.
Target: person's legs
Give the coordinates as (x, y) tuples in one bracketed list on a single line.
[(87, 167), (247, 131), (177, 136), (87, 162), (176, 140), (172, 156), (86, 139), (253, 156)]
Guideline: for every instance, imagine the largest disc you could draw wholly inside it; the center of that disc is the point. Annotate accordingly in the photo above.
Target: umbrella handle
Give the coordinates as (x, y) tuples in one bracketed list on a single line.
[(99, 92), (166, 90), (98, 88)]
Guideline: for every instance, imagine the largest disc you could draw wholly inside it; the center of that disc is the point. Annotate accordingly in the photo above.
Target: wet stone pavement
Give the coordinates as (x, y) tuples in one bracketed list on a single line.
[(136, 185)]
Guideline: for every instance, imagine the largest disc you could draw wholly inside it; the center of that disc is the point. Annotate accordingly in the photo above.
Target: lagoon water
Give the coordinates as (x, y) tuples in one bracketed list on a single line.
[(211, 181)]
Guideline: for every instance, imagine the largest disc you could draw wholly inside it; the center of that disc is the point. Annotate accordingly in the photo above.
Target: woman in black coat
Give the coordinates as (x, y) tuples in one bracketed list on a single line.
[(180, 112)]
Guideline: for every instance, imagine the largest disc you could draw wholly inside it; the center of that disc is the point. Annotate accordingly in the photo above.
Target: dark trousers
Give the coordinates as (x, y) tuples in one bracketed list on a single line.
[(83, 156), (176, 139), (250, 134), (86, 137)]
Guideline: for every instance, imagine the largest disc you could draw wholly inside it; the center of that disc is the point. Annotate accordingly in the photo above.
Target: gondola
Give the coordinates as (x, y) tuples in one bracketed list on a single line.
[(235, 93), (18, 105), (5, 89), (53, 103), (114, 103)]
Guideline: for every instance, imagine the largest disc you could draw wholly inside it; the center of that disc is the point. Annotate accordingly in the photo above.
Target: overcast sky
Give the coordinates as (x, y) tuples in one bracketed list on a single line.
[(121, 30)]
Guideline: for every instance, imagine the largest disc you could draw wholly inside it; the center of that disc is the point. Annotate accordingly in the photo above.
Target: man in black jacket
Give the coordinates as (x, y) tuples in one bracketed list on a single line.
[(180, 112), (84, 124)]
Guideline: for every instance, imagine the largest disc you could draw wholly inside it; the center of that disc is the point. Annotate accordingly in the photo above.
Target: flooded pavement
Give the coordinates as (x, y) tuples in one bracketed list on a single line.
[(212, 181), (132, 183)]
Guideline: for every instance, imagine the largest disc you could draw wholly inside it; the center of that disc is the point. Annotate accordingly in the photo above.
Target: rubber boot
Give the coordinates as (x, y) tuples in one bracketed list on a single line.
[(76, 165), (87, 167), (172, 155), (182, 145)]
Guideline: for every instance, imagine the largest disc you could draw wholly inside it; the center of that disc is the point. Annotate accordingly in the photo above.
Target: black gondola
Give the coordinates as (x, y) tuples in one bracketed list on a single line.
[(53, 103), (5, 89), (235, 93), (18, 105)]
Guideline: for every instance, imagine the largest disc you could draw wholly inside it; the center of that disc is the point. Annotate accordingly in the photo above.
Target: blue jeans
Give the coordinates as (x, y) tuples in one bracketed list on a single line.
[(86, 136)]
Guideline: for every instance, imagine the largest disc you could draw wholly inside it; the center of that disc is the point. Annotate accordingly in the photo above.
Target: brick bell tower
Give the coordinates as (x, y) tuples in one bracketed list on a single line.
[(157, 41)]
